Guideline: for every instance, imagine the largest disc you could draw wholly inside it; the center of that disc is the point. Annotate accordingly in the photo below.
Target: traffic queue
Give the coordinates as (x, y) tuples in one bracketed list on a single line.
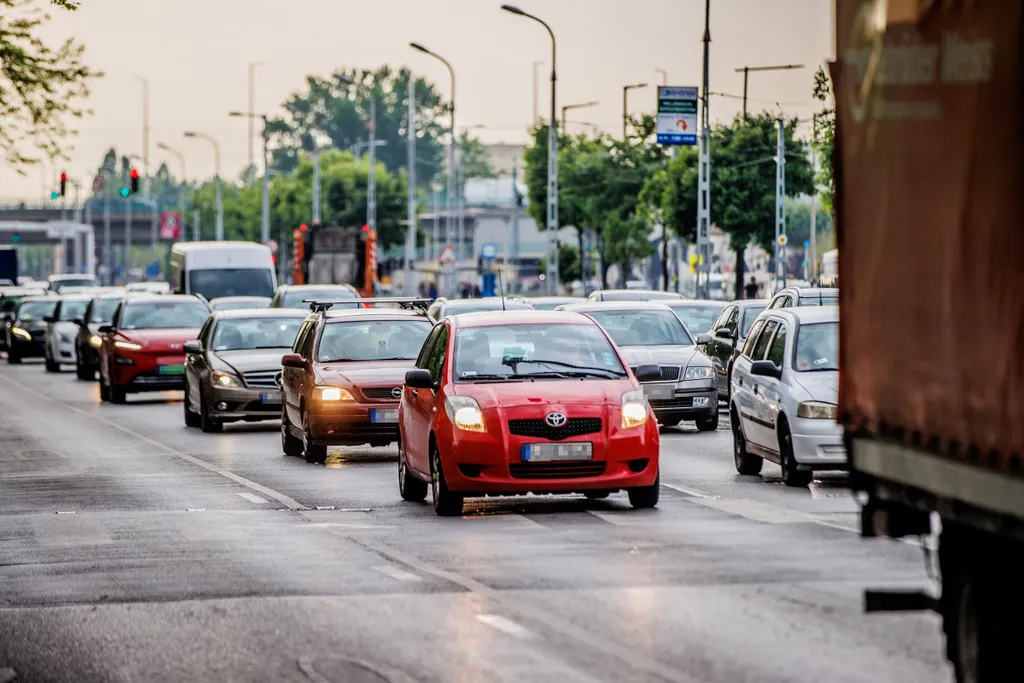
[(482, 397)]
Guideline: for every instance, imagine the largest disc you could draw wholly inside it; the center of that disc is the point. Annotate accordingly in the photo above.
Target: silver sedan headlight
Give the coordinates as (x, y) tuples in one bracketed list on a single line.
[(817, 410), (700, 372)]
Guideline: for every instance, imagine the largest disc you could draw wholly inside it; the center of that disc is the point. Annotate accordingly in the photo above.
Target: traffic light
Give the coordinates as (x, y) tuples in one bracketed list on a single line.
[(134, 184), (124, 191), (54, 194), (63, 184), (16, 238)]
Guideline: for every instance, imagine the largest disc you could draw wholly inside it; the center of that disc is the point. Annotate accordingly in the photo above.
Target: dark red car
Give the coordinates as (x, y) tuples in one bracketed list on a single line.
[(143, 346), (516, 402)]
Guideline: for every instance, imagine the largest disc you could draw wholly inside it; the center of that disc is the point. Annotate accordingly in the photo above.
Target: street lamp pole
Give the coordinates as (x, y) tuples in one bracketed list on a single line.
[(552, 191), (265, 192), (625, 104), (746, 77), (216, 178), (181, 185), (664, 75), (567, 107)]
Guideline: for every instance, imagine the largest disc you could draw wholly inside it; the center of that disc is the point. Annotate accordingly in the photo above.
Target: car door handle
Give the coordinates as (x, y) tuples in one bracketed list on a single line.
[(755, 388)]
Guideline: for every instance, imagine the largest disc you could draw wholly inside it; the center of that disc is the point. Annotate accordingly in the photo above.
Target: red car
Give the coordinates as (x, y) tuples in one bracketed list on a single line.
[(142, 347), (516, 402)]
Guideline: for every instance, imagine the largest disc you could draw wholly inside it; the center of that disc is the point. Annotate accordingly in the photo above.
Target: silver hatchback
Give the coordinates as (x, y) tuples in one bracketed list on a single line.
[(785, 386)]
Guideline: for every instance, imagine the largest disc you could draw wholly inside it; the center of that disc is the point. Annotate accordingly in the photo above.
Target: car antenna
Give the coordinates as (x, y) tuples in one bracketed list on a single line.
[(501, 287)]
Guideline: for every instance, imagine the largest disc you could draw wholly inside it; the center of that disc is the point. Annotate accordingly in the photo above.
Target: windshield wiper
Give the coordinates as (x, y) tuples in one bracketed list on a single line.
[(396, 358), (491, 378), (575, 370)]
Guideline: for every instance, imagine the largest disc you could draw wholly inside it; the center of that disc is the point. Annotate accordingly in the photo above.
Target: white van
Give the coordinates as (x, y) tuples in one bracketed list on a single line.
[(217, 269)]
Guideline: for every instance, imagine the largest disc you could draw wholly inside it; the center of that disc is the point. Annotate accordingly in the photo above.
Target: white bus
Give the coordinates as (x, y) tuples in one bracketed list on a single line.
[(217, 269)]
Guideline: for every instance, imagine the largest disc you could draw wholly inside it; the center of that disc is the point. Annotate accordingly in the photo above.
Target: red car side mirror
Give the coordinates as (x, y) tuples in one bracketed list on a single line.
[(293, 360)]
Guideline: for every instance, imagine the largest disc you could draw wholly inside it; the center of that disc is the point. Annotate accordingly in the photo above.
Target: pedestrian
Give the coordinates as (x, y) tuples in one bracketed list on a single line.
[(423, 289), (432, 292), (476, 291), (751, 288)]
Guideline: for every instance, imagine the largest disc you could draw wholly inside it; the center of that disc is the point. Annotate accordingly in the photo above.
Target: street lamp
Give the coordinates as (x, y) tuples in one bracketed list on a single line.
[(216, 179), (552, 208), (265, 192), (575, 106), (625, 104), (664, 75), (371, 176), (746, 76), (451, 148), (181, 185)]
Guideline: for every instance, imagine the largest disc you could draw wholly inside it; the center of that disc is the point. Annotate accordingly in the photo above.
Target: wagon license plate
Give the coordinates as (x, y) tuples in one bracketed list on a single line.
[(659, 391), (171, 370), (553, 452), (270, 397), (384, 415)]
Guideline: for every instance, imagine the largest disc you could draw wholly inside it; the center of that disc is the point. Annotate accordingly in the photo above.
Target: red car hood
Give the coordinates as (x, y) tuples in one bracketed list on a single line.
[(369, 374), (159, 340), (589, 392)]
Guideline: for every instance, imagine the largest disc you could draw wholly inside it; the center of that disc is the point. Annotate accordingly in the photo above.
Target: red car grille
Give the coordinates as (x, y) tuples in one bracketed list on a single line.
[(539, 429), (556, 470)]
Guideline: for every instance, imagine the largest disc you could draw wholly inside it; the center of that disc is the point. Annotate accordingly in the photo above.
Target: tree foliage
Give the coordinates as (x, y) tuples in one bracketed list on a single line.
[(823, 138), (40, 86)]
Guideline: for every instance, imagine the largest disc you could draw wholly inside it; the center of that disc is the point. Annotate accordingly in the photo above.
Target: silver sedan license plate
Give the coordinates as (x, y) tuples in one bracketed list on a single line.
[(553, 452), (659, 391), (270, 398)]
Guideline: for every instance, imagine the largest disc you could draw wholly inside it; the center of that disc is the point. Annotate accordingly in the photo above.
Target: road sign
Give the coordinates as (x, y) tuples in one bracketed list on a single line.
[(677, 115), (274, 246), (807, 244), (489, 250), (782, 240), (447, 255), (98, 184), (153, 269), (170, 225)]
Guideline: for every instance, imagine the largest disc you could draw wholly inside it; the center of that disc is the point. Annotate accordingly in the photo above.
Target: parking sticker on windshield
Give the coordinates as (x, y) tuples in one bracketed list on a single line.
[(821, 361), (609, 360)]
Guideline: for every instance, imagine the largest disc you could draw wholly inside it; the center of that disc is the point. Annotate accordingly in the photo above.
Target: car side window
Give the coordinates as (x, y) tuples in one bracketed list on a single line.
[(720, 320), (309, 341), (762, 341), (435, 363), (115, 320), (204, 333), (428, 346), (777, 350), (733, 323), (776, 302), (300, 338), (748, 347)]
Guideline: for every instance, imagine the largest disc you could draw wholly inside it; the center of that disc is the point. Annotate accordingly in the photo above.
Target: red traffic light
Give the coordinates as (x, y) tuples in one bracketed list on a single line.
[(303, 227), (135, 174), (366, 228), (63, 177)]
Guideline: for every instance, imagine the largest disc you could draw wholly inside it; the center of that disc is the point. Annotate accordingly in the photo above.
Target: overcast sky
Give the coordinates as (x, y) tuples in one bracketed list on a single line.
[(195, 54)]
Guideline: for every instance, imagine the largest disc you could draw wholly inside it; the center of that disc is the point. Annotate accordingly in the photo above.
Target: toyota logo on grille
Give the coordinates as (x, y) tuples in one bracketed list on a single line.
[(396, 392), (555, 419), (175, 346), (277, 379)]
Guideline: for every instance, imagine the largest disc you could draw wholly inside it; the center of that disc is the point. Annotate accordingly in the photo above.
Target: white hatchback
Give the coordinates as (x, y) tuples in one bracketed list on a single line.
[(785, 386), (62, 330)]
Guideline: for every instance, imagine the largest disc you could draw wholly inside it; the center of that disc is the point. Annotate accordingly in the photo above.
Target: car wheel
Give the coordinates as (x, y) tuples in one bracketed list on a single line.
[(13, 358), (744, 461), (207, 423), (118, 394), (645, 497), (191, 419), (409, 487), (670, 423), (81, 372), (710, 424), (596, 495), (291, 446), (315, 454), (446, 503), (52, 366), (791, 476)]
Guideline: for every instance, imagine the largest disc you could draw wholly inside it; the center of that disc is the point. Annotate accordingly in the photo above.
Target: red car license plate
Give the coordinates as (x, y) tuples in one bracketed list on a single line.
[(552, 452)]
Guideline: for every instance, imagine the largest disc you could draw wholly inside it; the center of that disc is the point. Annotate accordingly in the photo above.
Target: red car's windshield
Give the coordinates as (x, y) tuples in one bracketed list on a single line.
[(164, 315)]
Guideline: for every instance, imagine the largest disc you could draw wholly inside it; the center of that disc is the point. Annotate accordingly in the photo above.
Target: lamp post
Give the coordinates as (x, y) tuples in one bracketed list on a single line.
[(664, 75), (552, 190), (216, 179), (265, 192), (181, 185), (746, 77), (452, 177), (567, 107), (371, 178), (625, 104)]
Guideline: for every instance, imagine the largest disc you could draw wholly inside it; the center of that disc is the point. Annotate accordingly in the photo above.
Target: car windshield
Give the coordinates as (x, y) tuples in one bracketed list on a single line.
[(217, 282), (749, 315), (256, 333), (103, 310), (372, 340), (294, 298), (817, 347), (159, 315), (698, 318), (643, 328), (637, 295), (513, 352), (69, 310), (239, 304), (31, 311), (58, 285)]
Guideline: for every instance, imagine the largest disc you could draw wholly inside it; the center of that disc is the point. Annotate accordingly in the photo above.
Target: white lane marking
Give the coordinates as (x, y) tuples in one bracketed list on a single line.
[(688, 491), (287, 501), (755, 510), (616, 518), (504, 625), (252, 497), (395, 573), (195, 509)]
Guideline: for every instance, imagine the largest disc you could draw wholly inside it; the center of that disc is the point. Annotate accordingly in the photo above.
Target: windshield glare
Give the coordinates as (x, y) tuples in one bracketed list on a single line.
[(255, 333), (643, 328), (163, 315), (69, 310), (215, 283), (372, 340), (32, 311), (817, 347), (103, 310), (749, 316), (698, 319), (295, 298), (514, 351)]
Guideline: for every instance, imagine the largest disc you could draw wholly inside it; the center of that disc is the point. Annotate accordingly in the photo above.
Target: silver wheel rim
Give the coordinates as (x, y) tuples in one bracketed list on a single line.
[(401, 469), (435, 485)]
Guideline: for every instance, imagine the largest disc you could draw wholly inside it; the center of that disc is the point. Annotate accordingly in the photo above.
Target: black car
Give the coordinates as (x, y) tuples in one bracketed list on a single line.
[(25, 329), (9, 298), (728, 333), (100, 311)]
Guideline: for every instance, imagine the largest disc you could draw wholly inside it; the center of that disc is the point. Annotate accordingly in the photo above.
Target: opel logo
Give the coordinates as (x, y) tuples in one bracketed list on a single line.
[(555, 419), (396, 392), (277, 379)]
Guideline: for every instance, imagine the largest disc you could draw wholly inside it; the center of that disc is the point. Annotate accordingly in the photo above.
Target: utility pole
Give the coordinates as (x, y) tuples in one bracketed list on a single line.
[(316, 184), (145, 135), (435, 202), (704, 173), (265, 223), (813, 260), (107, 253), (780, 209), (410, 234), (515, 228), (252, 113), (154, 229), (371, 199), (127, 236), (625, 104), (746, 76), (196, 233)]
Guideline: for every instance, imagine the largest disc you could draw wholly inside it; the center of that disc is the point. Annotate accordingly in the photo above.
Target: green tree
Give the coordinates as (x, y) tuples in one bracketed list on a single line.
[(823, 138), (40, 86), (474, 159), (569, 267), (798, 221)]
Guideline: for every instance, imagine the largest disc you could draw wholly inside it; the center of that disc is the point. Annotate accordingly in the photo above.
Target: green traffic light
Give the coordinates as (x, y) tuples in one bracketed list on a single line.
[(54, 195), (16, 239), (125, 192)]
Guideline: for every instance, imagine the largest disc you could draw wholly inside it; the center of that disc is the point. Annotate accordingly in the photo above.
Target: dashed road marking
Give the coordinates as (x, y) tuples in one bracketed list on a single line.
[(688, 491), (504, 625), (395, 573), (253, 498)]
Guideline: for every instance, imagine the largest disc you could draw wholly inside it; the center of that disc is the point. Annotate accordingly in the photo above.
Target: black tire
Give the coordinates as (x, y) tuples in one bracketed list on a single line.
[(291, 446), (409, 487), (745, 462), (13, 358), (446, 502), (83, 372), (52, 366), (118, 395), (710, 424), (315, 454), (207, 423), (671, 423), (104, 391), (596, 495), (191, 419), (646, 497), (791, 476)]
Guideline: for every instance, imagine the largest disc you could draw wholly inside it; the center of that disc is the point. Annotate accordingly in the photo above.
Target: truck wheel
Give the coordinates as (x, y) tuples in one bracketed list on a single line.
[(791, 476), (744, 461)]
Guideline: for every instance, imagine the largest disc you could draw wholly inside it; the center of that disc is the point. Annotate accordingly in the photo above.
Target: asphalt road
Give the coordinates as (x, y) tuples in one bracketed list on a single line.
[(134, 549)]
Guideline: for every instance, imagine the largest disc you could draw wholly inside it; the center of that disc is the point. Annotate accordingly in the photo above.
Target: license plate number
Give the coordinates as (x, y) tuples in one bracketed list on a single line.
[(171, 370), (271, 397), (551, 452), (385, 415), (659, 391)]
